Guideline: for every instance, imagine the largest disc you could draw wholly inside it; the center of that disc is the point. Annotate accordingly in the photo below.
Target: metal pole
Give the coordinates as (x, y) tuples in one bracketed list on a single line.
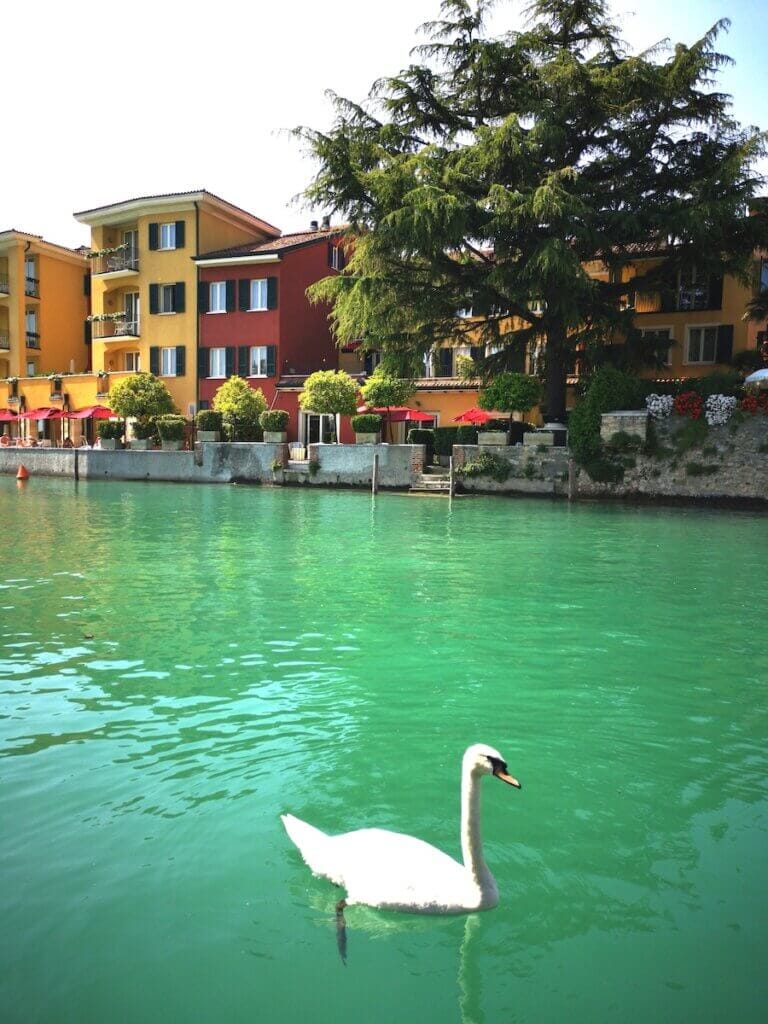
[(375, 474), (450, 476)]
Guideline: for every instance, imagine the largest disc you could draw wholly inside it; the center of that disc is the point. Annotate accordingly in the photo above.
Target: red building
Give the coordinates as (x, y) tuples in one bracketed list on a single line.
[(256, 320)]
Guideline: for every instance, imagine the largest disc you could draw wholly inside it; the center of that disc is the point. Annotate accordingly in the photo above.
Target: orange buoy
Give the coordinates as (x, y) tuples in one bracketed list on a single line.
[(22, 474)]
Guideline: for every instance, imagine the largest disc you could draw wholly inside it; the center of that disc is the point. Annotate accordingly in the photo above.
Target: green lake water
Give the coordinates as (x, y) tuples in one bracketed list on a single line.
[(179, 665)]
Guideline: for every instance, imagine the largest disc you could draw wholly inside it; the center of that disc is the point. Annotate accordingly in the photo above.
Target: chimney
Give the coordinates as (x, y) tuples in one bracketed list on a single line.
[(326, 222), (313, 225)]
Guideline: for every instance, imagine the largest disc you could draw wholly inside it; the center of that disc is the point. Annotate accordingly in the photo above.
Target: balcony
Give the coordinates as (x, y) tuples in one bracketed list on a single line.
[(5, 341), (5, 288), (114, 330), (33, 339), (32, 287), (114, 265)]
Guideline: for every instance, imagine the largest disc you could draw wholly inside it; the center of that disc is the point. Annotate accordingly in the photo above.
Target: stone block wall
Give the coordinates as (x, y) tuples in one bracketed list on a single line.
[(630, 422), (532, 470)]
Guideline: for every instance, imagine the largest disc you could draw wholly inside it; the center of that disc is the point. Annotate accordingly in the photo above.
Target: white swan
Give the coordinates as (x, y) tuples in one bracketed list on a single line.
[(398, 872)]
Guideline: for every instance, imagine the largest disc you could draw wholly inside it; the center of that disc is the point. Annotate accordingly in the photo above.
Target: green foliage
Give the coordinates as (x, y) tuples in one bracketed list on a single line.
[(366, 423), (240, 407), (329, 392), (277, 466), (381, 390), (145, 430), (314, 468), (466, 368), (418, 435), (110, 430), (445, 439), (692, 434), (486, 464), (511, 392), (274, 420), (171, 428), (700, 469), (718, 384), (208, 419), (608, 390), (604, 470), (141, 395), (466, 434), (748, 361), (621, 441), (493, 167)]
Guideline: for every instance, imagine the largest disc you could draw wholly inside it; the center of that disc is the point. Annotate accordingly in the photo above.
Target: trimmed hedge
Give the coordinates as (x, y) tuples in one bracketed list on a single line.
[(366, 423), (208, 419), (445, 439), (466, 434), (418, 435), (274, 420), (110, 430), (145, 430), (171, 428)]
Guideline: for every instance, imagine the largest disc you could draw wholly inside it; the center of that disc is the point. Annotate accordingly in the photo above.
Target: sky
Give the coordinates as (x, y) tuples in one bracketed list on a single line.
[(109, 101)]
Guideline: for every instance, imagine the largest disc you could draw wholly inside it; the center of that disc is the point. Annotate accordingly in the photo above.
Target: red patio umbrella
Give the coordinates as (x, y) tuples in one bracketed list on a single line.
[(96, 412), (475, 415), (402, 414), (44, 413), (8, 416)]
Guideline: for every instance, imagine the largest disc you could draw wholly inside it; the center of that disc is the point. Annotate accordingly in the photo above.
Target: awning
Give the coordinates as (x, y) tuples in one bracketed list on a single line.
[(96, 412), (44, 413), (475, 415), (8, 416)]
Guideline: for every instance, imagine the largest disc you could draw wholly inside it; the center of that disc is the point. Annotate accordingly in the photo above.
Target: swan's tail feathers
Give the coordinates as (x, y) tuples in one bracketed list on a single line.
[(312, 844)]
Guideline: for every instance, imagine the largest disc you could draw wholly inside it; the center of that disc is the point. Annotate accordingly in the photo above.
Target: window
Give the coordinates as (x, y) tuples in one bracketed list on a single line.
[(132, 362), (217, 297), (702, 345), (167, 298), (336, 260), (259, 294), (763, 274), (693, 290), (218, 363), (31, 370), (30, 318), (658, 336), (167, 362), (167, 236), (258, 361)]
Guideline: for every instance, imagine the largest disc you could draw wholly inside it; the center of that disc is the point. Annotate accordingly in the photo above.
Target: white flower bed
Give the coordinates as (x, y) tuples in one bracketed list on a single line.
[(718, 409), (659, 406)]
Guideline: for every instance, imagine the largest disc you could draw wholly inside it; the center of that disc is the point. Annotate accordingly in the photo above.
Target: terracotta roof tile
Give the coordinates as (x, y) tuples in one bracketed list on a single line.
[(274, 245)]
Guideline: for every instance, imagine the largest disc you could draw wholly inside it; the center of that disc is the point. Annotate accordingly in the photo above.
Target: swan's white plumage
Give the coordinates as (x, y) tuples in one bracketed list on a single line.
[(398, 872)]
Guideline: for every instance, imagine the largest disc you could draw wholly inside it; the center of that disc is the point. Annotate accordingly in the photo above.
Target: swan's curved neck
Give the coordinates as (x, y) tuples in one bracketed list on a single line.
[(471, 842)]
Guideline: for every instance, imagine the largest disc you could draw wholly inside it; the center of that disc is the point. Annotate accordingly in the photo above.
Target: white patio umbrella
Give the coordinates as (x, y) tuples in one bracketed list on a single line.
[(759, 377)]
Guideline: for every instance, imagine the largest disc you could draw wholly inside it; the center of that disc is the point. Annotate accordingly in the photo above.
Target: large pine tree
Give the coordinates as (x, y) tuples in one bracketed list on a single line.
[(487, 174)]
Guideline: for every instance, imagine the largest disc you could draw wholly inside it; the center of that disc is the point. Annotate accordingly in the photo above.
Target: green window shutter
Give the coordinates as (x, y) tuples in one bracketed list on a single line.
[(271, 360), (444, 362), (244, 289), (154, 236), (178, 297), (181, 360), (243, 360), (230, 360), (86, 285), (154, 360), (715, 292), (154, 298), (271, 293), (724, 352), (203, 362), (180, 225), (203, 295), (88, 332), (330, 254), (230, 296)]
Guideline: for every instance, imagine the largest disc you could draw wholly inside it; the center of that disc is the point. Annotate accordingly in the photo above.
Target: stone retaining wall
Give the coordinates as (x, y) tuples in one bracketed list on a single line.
[(531, 470)]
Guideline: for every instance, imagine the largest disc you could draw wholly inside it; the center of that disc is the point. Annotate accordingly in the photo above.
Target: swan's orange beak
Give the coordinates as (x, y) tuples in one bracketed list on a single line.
[(509, 779)]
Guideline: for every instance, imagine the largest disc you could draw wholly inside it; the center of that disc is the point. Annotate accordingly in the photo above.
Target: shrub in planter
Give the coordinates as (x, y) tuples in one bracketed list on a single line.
[(171, 430), (110, 430), (366, 423), (274, 421), (144, 430), (208, 420)]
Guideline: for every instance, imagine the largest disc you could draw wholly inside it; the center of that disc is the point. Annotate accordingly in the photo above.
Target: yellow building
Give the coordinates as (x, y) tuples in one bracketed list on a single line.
[(144, 281), (43, 305)]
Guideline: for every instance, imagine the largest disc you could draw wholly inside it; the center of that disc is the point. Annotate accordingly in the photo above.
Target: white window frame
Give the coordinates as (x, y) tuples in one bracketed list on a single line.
[(221, 357), (655, 330), (169, 229), (30, 321), (335, 257), (691, 287), (252, 357), (135, 357), (166, 289), (263, 287), (218, 289), (168, 356), (699, 327)]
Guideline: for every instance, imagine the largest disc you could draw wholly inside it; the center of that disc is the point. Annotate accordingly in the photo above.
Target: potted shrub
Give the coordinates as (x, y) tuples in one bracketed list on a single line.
[(508, 392), (208, 425), (274, 423), (418, 435), (171, 429), (111, 434), (144, 431), (240, 406), (367, 428)]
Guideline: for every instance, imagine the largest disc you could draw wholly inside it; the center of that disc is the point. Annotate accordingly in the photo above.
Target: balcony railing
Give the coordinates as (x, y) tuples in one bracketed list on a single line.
[(32, 287), (4, 286), (33, 339), (104, 330), (5, 340), (116, 263)]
